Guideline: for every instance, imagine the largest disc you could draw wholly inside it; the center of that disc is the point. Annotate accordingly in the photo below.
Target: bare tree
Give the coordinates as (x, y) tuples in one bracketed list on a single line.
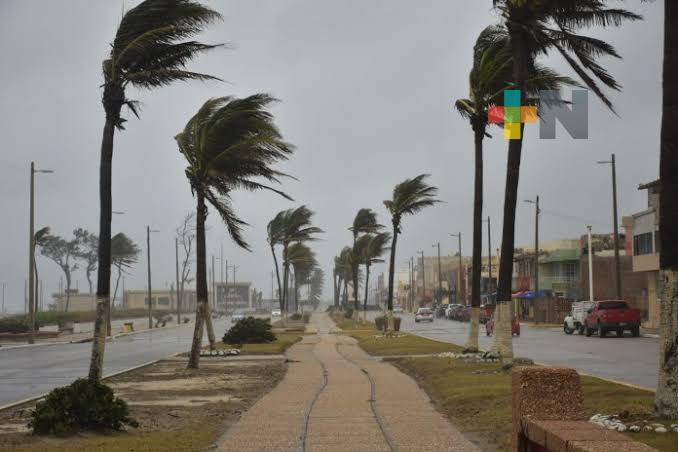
[(63, 253), (89, 252), (186, 234)]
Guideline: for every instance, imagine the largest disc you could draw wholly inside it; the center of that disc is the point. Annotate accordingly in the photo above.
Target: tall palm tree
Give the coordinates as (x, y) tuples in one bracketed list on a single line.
[(490, 76), (297, 227), (345, 270), (150, 50), (40, 238), (666, 397), (303, 262), (365, 221), (228, 144), (536, 27), (274, 234), (410, 197), (372, 247)]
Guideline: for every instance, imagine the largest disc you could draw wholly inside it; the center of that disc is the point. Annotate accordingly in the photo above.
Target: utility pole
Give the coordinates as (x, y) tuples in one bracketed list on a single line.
[(150, 291), (3, 298), (440, 275), (536, 244), (176, 256), (617, 264), (31, 255), (489, 256), (590, 265), (458, 291), (423, 278), (214, 285)]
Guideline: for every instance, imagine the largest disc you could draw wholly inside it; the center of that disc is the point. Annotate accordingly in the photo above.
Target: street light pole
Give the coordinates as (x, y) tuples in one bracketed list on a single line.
[(536, 244), (617, 264), (176, 256), (458, 291), (590, 265), (150, 291), (440, 275), (31, 255), (423, 277)]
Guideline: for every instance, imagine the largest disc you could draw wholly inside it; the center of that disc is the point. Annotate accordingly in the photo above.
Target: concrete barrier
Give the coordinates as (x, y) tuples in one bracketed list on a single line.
[(548, 415)]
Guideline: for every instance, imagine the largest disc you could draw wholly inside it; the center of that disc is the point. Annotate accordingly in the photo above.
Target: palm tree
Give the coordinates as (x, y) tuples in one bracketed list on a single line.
[(489, 77), (274, 233), (40, 239), (296, 227), (365, 221), (149, 51), (410, 196), (372, 247), (124, 254), (344, 269), (228, 144), (536, 27), (303, 262), (666, 398)]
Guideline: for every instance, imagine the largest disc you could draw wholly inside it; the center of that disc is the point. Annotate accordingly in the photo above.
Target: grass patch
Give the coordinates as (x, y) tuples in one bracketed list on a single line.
[(281, 343), (352, 324), (198, 437), (478, 400), (404, 344)]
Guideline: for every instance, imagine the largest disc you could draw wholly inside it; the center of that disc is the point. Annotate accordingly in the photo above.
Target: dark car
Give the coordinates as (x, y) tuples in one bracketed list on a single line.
[(515, 327)]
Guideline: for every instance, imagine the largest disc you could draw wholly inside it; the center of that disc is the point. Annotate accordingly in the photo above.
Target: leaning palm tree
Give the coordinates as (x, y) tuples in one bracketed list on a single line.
[(303, 262), (536, 27), (666, 398), (373, 247), (274, 233), (410, 196), (345, 270), (296, 227), (228, 144), (150, 50), (489, 77), (365, 221), (124, 254)]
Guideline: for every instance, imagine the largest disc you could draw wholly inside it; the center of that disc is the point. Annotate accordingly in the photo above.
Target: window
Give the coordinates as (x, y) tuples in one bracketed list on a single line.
[(163, 301), (570, 270), (642, 244), (146, 301)]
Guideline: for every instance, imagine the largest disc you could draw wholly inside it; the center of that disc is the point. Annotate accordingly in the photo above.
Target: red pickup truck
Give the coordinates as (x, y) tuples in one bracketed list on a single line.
[(612, 315)]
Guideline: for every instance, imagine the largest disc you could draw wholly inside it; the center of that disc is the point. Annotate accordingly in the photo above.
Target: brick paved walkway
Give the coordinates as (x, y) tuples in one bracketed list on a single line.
[(308, 412)]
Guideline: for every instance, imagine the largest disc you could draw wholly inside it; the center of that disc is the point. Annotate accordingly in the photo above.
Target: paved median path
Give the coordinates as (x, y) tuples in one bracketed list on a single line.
[(335, 397)]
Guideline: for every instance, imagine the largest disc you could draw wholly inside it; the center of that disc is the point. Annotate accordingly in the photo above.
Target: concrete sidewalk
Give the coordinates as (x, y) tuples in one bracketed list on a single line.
[(335, 397)]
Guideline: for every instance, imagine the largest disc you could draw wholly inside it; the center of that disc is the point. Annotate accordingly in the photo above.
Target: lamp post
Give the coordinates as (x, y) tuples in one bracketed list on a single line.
[(613, 163), (440, 274), (590, 265), (176, 257), (31, 255), (148, 257), (458, 291), (423, 278), (536, 244)]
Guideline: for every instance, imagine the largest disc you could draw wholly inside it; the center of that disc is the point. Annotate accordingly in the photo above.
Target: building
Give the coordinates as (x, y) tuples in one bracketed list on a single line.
[(76, 302), (236, 297), (644, 228), (165, 300)]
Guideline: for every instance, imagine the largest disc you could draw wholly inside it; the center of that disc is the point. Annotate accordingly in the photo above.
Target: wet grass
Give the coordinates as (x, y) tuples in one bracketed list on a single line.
[(376, 344), (477, 399)]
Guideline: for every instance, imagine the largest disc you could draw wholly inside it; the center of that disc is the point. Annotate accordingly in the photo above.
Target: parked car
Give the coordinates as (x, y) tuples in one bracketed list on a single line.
[(612, 315), (464, 314), (423, 314), (515, 327), (486, 311), (450, 311), (440, 311), (575, 321), (237, 316), (275, 313), (397, 309)]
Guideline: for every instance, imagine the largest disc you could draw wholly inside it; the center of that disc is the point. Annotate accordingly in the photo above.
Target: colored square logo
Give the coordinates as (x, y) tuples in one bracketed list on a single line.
[(512, 115), (495, 115), (528, 115), (512, 98), (512, 131)]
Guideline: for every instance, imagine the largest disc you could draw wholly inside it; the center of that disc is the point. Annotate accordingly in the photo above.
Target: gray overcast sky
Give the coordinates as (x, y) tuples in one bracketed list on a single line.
[(367, 90)]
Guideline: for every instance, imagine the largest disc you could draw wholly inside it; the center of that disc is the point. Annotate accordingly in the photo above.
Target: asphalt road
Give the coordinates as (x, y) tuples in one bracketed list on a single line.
[(30, 371), (630, 360)]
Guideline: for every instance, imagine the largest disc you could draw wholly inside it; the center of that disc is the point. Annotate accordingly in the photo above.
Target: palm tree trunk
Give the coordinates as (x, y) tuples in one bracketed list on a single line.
[(354, 268), (200, 281), (345, 297), (104, 250), (296, 293), (472, 343), (666, 397), (367, 285), (336, 291), (277, 275), (108, 311), (391, 269), (210, 326)]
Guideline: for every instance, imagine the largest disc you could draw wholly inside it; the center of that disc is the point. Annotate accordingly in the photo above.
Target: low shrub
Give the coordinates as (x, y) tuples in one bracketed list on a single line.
[(295, 316), (306, 317), (14, 325), (82, 405), (382, 323), (348, 313), (250, 330)]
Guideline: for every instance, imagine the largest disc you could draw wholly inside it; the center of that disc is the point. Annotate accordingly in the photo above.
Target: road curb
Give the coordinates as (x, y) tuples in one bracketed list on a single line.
[(609, 380)]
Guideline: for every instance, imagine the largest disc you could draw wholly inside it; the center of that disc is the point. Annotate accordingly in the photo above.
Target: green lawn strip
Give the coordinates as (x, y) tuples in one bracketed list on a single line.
[(352, 324), (282, 342), (196, 437), (404, 344), (478, 400)]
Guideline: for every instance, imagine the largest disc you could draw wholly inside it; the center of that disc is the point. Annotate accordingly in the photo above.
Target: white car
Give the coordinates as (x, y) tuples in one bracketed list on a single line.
[(423, 314), (397, 310), (236, 317), (275, 313)]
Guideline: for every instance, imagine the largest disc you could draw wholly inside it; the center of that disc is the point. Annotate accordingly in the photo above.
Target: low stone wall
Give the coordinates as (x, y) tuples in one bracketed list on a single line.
[(548, 416)]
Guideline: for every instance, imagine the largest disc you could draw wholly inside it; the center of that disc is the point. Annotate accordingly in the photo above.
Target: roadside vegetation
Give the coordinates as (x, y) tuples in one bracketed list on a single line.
[(477, 399), (45, 318)]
